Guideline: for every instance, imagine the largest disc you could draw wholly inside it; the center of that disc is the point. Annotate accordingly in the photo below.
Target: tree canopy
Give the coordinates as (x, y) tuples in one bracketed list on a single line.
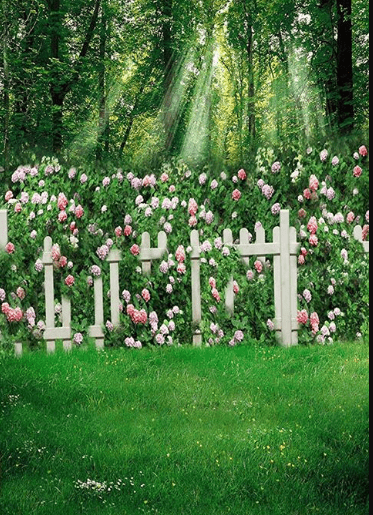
[(201, 79)]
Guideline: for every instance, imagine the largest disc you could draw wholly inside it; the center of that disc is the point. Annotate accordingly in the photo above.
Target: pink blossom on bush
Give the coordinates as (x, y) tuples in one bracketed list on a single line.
[(258, 265), (323, 155), (363, 151), (301, 260), (10, 248), (236, 195), (78, 338), (69, 281), (350, 217), (276, 167), (302, 317), (357, 171), (268, 191), (236, 288), (276, 208), (307, 193), (307, 296), (18, 207), (8, 195), (242, 174), (302, 213), (215, 294), (192, 221), (79, 211), (270, 325), (135, 250), (145, 295), (238, 336), (192, 207), (365, 232), (62, 216), (314, 241), (109, 326), (335, 161), (62, 201), (102, 252), (21, 294), (250, 275), (214, 184), (313, 183), (312, 225), (180, 254), (181, 268)]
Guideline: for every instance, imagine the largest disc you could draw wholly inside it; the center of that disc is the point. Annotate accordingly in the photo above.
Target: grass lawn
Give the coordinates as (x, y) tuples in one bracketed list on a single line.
[(250, 430)]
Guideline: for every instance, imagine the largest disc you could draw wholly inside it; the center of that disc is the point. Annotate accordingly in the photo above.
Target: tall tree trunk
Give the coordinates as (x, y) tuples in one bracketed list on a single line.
[(60, 86), (102, 122), (251, 88), (6, 85), (169, 69), (344, 67)]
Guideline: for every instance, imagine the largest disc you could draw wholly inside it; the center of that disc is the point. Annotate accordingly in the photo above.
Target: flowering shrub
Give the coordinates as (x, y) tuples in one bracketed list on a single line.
[(87, 214)]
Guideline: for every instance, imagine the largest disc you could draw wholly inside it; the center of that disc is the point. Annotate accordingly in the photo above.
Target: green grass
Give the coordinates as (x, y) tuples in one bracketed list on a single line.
[(250, 430)]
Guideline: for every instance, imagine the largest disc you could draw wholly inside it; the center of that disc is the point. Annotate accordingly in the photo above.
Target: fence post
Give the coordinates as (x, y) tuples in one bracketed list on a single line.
[(358, 235), (3, 228), (286, 325), (49, 292), (260, 237), (113, 258), (66, 322), (95, 331), (146, 262), (196, 288), (293, 285), (229, 294)]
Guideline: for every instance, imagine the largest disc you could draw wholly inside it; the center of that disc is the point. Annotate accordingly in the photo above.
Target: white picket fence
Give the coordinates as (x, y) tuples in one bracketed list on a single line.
[(284, 248)]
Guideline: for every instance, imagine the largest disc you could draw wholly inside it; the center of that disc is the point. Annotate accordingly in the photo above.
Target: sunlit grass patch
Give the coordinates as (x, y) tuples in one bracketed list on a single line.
[(238, 430)]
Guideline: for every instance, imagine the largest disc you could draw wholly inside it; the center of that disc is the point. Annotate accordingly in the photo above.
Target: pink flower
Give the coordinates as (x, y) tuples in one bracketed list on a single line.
[(145, 295), (314, 318), (69, 281), (301, 260), (180, 254), (238, 336), (135, 250), (78, 338), (118, 231), (215, 294), (79, 211), (181, 268), (192, 221), (192, 207), (276, 208), (18, 207), (212, 282), (302, 317), (314, 183), (164, 177), (276, 167), (307, 193), (307, 296), (242, 175), (363, 151), (365, 232), (335, 161), (249, 275), (236, 288), (323, 155), (258, 265), (109, 326), (303, 251), (83, 178), (96, 270), (236, 195), (21, 294), (314, 241), (62, 216), (312, 225), (357, 171), (62, 201), (127, 230), (270, 325), (62, 262), (214, 184), (350, 217), (302, 213), (8, 195), (10, 248)]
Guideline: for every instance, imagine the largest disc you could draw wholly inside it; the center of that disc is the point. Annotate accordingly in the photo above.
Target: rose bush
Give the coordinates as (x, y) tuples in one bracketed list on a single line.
[(87, 214)]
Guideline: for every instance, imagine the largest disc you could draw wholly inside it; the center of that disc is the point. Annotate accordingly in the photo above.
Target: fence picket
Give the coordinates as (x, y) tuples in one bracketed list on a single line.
[(229, 293), (196, 288)]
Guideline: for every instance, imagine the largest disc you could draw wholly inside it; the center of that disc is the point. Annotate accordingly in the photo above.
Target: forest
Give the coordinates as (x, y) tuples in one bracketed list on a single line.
[(135, 82)]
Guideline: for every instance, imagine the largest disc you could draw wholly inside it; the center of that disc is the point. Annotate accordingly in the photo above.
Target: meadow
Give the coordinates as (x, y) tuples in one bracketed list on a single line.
[(251, 429)]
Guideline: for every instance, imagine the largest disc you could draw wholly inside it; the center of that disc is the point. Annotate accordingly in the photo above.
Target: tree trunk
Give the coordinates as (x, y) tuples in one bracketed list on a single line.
[(102, 122), (168, 63), (6, 96), (251, 88), (344, 67)]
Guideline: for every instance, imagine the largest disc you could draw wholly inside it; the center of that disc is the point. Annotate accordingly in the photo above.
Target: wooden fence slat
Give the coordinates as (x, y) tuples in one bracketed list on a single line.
[(3, 228), (293, 287), (285, 279), (114, 258), (260, 238), (95, 331), (244, 242), (196, 288), (277, 283), (229, 294)]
